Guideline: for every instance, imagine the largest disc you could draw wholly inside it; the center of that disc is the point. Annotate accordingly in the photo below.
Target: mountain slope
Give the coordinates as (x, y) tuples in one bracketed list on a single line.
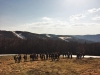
[(18, 35), (7, 34), (67, 38)]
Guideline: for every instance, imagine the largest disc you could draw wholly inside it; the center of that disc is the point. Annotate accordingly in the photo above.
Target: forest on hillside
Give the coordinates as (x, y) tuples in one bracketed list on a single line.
[(19, 46)]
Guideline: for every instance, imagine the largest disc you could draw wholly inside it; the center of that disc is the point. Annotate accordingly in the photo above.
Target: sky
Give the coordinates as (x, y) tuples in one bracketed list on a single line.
[(60, 17)]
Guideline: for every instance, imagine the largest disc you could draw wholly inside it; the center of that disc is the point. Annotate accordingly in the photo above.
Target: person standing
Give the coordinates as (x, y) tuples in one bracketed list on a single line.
[(25, 57)]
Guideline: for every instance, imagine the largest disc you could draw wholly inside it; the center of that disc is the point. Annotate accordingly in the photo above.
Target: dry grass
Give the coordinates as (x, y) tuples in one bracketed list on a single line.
[(73, 66)]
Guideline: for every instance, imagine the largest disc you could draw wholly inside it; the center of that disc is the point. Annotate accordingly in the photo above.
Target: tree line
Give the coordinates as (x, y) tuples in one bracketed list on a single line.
[(19, 46)]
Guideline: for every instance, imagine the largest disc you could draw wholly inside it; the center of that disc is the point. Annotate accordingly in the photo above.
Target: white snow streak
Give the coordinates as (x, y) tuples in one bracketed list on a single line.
[(18, 35), (48, 35), (64, 38)]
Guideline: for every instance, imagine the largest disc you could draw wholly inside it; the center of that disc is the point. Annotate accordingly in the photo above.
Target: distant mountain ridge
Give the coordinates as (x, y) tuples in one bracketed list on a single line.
[(95, 38), (67, 38)]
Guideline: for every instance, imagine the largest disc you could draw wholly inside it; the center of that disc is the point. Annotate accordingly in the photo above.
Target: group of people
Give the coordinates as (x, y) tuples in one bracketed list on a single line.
[(33, 57), (80, 55), (54, 56), (67, 54)]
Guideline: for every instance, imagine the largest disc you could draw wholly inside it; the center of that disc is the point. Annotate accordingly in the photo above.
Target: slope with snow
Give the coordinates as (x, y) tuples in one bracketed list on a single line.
[(27, 35), (48, 35), (65, 38), (18, 35)]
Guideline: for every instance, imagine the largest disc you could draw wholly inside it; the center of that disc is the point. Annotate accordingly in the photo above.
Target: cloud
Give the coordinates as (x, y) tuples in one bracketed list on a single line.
[(53, 24), (93, 10), (86, 25), (96, 18), (58, 27), (46, 18), (77, 17)]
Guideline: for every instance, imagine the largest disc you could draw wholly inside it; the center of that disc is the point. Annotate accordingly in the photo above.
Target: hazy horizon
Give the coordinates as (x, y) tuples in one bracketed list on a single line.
[(67, 17), (49, 33)]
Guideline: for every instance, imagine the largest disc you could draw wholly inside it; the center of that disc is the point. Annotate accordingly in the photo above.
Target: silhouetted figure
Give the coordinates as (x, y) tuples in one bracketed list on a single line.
[(52, 56), (71, 55), (83, 54), (19, 58), (57, 56), (15, 58), (47, 55), (63, 55), (31, 57), (41, 56), (25, 57), (36, 56), (68, 55), (78, 55)]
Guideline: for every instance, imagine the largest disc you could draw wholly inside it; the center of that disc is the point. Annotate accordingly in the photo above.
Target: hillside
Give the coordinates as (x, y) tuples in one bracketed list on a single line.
[(7, 34), (29, 35), (19, 42)]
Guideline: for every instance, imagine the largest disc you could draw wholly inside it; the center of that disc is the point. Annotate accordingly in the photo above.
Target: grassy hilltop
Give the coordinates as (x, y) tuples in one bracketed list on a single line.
[(66, 66)]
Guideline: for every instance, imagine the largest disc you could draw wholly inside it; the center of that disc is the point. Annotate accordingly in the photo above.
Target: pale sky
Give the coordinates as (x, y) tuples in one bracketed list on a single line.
[(63, 17)]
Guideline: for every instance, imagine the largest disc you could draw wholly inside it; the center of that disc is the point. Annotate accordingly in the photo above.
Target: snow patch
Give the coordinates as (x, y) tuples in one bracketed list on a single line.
[(19, 35), (64, 38), (48, 35)]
